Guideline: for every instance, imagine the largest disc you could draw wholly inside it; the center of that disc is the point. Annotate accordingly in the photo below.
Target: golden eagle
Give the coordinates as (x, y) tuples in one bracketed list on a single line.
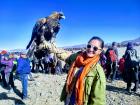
[(46, 28)]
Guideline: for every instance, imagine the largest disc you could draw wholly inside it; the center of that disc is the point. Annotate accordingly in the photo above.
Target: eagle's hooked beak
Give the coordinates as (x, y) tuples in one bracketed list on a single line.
[(63, 17)]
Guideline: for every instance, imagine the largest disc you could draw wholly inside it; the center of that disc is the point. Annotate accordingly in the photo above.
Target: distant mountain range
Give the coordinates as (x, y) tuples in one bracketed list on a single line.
[(16, 50), (135, 41), (75, 46)]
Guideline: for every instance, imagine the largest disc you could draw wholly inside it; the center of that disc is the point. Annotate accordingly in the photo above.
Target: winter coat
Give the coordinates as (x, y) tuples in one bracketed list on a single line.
[(121, 64), (9, 65), (23, 66), (95, 87)]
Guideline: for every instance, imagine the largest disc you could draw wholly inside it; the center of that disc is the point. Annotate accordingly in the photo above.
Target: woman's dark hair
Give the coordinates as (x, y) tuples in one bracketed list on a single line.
[(97, 38)]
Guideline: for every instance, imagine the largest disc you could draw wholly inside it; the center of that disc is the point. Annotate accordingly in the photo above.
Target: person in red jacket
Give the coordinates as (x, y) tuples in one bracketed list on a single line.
[(121, 64)]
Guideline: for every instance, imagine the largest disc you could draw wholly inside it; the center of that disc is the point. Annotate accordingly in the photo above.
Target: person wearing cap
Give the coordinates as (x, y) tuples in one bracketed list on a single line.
[(3, 52), (131, 67), (23, 69)]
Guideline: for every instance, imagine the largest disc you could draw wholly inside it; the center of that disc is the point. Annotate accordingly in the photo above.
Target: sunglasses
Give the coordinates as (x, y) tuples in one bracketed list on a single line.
[(94, 47)]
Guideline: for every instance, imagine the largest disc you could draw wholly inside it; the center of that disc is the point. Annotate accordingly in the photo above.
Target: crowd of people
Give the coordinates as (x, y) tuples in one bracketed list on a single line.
[(48, 64), (126, 67), (88, 70), (11, 66)]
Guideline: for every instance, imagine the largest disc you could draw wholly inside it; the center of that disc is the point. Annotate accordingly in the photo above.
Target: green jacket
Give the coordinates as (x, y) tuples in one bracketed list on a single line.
[(95, 87)]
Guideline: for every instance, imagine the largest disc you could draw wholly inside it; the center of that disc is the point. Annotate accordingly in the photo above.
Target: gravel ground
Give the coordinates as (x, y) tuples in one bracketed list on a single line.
[(46, 90)]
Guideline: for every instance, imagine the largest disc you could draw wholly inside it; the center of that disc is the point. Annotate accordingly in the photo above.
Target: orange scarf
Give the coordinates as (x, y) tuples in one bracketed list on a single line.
[(81, 61)]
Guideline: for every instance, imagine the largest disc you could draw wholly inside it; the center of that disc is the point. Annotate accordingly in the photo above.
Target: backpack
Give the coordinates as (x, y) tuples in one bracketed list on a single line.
[(112, 57), (132, 57)]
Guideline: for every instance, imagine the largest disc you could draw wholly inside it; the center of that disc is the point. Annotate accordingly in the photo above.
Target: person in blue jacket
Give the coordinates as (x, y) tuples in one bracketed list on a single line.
[(23, 69)]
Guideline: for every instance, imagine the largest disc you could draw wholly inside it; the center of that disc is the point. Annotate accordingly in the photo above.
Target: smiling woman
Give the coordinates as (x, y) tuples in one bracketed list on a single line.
[(82, 76)]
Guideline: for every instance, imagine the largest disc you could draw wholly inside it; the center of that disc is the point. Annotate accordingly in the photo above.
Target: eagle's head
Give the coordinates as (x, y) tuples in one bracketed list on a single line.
[(57, 15)]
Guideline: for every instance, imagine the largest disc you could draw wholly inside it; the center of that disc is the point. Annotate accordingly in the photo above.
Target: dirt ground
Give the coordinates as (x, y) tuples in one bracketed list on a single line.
[(46, 90)]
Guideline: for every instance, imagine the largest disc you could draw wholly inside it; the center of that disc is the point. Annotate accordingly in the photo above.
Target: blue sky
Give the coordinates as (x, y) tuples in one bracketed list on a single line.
[(112, 20)]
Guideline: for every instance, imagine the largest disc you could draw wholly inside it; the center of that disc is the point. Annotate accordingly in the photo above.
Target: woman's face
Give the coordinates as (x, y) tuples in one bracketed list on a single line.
[(93, 48)]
